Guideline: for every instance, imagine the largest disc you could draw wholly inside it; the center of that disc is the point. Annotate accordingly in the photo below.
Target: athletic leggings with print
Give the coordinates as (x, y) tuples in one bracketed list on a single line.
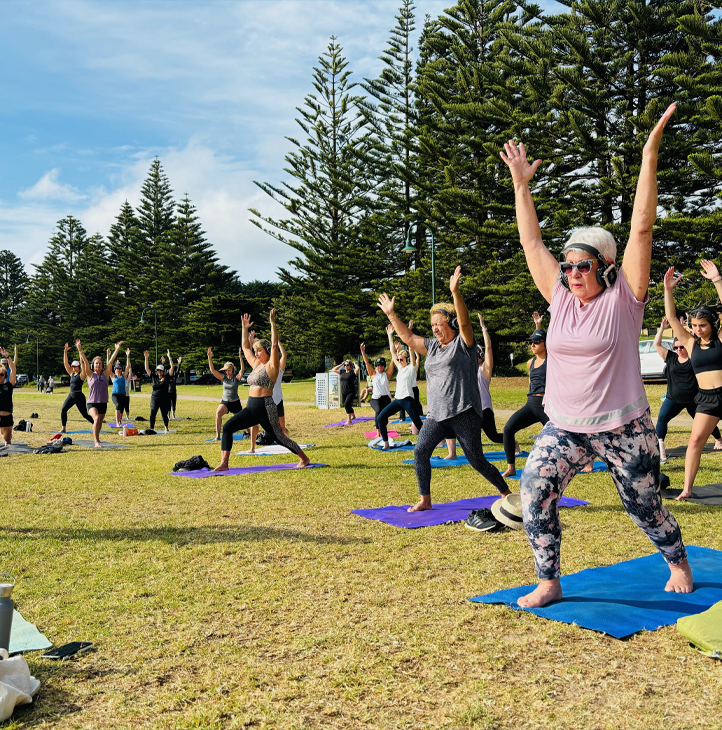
[(259, 411), (632, 454), (466, 427)]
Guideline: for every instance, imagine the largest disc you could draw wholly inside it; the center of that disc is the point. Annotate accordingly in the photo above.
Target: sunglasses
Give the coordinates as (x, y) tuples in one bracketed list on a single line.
[(679, 347), (583, 267)]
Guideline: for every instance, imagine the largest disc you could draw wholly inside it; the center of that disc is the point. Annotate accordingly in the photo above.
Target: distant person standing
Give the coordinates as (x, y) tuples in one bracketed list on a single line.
[(51, 385), (159, 392), (76, 397), (7, 385)]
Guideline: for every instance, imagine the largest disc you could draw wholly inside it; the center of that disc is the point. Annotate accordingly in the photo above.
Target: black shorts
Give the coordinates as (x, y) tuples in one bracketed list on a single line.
[(102, 408), (6, 421), (709, 402), (120, 402), (281, 410), (233, 406)]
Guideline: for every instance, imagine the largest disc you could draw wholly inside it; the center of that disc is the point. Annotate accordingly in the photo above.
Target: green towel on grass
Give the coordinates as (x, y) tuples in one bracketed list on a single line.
[(704, 631), (25, 636)]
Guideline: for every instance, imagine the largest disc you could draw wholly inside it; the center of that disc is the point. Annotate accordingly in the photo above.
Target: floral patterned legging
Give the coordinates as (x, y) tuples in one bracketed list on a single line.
[(632, 454)]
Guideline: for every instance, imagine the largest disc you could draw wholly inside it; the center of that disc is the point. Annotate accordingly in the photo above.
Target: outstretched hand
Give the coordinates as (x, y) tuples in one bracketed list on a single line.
[(77, 345), (537, 319), (246, 321), (209, 352), (411, 324), (386, 305), (655, 136), (127, 351), (664, 323), (389, 329), (454, 281), (709, 269), (363, 348), (515, 159), (67, 347), (669, 279), (146, 354), (481, 321), (4, 352), (272, 316)]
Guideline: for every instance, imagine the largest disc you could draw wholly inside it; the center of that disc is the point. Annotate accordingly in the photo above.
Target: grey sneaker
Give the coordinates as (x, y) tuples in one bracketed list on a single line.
[(480, 520)]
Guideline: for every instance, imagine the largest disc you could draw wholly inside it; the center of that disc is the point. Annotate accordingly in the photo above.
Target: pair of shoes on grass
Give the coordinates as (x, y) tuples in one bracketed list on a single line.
[(481, 520)]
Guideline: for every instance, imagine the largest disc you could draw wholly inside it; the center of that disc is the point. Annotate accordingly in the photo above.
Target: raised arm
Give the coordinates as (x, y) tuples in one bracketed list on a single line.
[(407, 336), (11, 365), (369, 369), (272, 365), (543, 266), (284, 356), (239, 377), (147, 367), (488, 365), (211, 367), (68, 369), (392, 347), (246, 324), (462, 313), (84, 364), (670, 311), (171, 369), (638, 253), (111, 360), (337, 369), (662, 351), (128, 369)]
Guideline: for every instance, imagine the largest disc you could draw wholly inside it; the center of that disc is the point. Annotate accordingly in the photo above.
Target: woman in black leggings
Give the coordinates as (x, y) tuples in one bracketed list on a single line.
[(264, 359), (380, 385), (348, 377), (76, 397), (159, 398), (452, 393), (533, 411)]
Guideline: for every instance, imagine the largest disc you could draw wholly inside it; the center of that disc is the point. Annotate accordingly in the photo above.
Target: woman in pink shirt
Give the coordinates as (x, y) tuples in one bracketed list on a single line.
[(594, 396), (99, 381)]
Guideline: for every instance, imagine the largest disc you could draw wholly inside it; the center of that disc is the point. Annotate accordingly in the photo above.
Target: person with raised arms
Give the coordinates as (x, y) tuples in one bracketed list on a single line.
[(75, 397), (682, 388), (453, 402), (230, 400), (260, 408), (595, 397), (277, 395), (380, 385), (348, 379), (98, 384), (705, 353), (172, 385), (119, 392), (159, 390), (7, 385)]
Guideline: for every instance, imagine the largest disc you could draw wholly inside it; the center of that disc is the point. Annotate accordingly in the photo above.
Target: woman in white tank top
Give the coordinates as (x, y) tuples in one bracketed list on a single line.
[(381, 393)]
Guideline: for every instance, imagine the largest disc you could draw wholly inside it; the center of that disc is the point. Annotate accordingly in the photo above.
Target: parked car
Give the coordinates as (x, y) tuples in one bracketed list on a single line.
[(652, 364), (21, 379)]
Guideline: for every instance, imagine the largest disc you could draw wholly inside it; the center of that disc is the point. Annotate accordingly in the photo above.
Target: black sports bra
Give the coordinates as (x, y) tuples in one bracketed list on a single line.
[(709, 360)]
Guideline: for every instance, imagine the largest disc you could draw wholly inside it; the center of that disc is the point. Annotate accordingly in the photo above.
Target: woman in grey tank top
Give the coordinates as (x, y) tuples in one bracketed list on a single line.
[(230, 401)]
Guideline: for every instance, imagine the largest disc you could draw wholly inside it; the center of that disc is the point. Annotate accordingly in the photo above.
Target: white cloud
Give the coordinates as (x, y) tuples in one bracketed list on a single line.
[(48, 188)]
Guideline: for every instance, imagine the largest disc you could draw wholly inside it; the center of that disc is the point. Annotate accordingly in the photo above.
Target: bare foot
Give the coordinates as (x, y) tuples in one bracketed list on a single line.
[(305, 461), (423, 504), (449, 457), (223, 466), (97, 445), (546, 592), (517, 448), (680, 579), (510, 471), (414, 431), (251, 451), (217, 438), (717, 445), (685, 493), (167, 431), (588, 468), (63, 431)]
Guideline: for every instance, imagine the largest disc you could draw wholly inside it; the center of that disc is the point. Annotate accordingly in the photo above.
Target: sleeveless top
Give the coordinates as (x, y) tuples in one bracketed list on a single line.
[(277, 392), (119, 385), (259, 378), (681, 382), (98, 385), (405, 381), (484, 391), (76, 383), (380, 385), (230, 389), (708, 360), (537, 378)]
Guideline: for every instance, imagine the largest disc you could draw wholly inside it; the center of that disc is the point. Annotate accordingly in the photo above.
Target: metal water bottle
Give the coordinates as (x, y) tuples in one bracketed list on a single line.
[(7, 583)]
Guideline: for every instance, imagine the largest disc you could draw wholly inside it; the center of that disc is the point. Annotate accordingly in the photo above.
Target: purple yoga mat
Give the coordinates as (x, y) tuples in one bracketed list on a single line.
[(358, 419), (442, 512), (200, 473)]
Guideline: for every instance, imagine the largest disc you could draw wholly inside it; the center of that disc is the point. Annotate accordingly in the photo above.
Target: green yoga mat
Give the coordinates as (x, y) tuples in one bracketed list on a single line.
[(704, 631), (25, 636)]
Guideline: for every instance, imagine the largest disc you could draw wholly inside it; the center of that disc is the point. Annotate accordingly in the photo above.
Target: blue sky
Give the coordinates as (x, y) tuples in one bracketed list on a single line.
[(92, 91)]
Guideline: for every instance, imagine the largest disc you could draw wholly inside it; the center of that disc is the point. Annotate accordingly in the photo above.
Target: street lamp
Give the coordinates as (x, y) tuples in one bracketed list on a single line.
[(155, 318), (411, 249), (37, 356)]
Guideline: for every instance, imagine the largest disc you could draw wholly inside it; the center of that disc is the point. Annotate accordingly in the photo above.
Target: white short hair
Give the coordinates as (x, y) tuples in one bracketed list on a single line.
[(595, 236)]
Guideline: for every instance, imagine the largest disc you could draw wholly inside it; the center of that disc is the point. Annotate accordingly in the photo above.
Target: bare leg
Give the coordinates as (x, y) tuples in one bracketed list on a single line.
[(220, 412), (118, 417), (546, 592), (303, 460), (451, 446), (254, 436), (662, 452), (701, 429), (510, 470), (680, 579), (7, 434), (223, 466), (97, 423)]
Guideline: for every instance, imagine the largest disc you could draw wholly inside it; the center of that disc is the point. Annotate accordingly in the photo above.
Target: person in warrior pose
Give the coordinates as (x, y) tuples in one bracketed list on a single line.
[(172, 385), (595, 397), (128, 382), (159, 392), (404, 396), (453, 403), (7, 385), (682, 388), (118, 394), (381, 389), (277, 396), (260, 408), (533, 411), (705, 353), (486, 366), (348, 378), (230, 401), (76, 397), (98, 384)]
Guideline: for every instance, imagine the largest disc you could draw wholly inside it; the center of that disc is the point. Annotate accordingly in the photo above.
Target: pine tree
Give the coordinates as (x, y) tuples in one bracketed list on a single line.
[(13, 286)]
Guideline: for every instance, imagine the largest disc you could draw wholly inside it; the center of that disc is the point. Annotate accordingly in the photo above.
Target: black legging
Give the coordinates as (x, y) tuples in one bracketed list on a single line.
[(531, 413), (348, 402), (127, 406), (258, 412), (489, 426), (173, 400), (159, 404), (78, 400), (670, 408), (378, 404), (466, 427), (400, 404), (417, 402)]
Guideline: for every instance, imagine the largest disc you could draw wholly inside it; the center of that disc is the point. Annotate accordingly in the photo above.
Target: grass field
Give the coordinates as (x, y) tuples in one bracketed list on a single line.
[(260, 602)]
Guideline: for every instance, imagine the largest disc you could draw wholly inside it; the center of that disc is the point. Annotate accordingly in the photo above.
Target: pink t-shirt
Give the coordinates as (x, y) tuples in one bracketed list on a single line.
[(594, 381)]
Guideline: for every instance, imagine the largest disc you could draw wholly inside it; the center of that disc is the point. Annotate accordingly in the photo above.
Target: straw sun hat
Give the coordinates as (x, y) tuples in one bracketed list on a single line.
[(507, 511)]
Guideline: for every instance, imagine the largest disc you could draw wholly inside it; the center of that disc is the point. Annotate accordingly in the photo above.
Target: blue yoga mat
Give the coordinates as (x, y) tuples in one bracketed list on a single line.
[(236, 437), (622, 599), (597, 467), (408, 420), (89, 431), (437, 462)]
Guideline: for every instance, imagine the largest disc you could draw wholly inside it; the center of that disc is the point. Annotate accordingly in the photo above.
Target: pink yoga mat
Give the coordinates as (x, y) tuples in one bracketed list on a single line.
[(236, 470), (373, 434)]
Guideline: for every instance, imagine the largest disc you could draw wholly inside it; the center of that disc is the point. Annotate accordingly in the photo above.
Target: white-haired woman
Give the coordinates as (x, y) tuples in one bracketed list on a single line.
[(98, 383), (595, 397), (230, 400), (76, 397), (453, 402), (260, 409), (705, 349)]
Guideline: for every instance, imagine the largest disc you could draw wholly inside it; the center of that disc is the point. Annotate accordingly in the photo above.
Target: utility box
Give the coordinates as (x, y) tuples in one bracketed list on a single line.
[(322, 390), (328, 390)]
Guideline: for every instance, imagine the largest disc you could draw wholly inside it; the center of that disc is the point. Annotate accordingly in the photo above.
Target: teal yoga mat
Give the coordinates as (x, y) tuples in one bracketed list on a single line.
[(25, 636)]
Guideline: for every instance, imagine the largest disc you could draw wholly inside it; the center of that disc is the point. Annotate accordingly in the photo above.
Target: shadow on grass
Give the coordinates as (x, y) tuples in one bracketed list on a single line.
[(179, 535)]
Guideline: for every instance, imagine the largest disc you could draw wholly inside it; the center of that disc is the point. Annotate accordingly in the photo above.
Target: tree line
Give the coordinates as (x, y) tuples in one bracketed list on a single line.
[(411, 154)]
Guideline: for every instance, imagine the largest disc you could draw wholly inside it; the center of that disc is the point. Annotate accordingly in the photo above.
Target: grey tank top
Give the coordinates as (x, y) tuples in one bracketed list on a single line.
[(260, 378), (230, 389)]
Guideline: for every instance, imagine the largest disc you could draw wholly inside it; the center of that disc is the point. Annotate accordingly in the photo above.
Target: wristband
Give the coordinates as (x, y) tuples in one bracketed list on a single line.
[(716, 279)]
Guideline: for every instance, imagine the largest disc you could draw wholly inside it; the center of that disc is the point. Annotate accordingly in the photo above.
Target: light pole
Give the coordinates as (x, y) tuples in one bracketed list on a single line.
[(411, 249), (37, 356), (155, 319)]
